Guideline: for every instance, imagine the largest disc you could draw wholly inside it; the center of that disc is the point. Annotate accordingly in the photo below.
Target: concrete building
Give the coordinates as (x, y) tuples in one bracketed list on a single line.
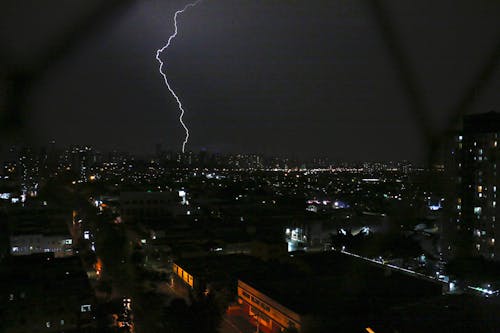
[(148, 207), (473, 202), (212, 272), (315, 234), (320, 292), (40, 293), (183, 275), (39, 230), (326, 292), (266, 311), (25, 244), (29, 165)]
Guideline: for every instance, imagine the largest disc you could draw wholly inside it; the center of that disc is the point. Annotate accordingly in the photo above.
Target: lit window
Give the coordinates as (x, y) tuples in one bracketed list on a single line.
[(47, 324), (479, 189), (85, 308), (477, 210)]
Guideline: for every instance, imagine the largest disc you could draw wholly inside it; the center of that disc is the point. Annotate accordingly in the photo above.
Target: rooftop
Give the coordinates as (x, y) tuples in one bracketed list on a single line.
[(333, 283)]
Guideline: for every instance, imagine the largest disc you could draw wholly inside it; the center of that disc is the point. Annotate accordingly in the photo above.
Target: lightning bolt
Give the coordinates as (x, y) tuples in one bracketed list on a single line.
[(158, 52)]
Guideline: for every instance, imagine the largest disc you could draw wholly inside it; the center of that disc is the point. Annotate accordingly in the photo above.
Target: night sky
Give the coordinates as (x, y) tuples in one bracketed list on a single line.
[(298, 78)]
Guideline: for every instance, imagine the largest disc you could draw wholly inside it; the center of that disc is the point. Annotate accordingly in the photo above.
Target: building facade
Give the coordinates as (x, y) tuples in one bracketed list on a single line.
[(473, 199), (266, 311), (147, 206), (183, 275), (26, 244), (41, 293)]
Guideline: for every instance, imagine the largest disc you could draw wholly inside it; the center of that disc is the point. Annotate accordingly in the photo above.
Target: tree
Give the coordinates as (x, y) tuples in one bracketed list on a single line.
[(201, 315), (176, 317)]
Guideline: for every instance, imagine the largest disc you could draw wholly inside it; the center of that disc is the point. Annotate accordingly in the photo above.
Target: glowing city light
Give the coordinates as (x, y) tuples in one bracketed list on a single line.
[(158, 52)]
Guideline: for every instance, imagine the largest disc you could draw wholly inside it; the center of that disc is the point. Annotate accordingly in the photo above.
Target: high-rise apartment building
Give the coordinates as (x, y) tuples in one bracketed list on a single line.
[(80, 160), (473, 200), (28, 163)]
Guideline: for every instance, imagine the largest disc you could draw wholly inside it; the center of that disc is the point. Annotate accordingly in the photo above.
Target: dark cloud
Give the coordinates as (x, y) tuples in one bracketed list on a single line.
[(290, 77)]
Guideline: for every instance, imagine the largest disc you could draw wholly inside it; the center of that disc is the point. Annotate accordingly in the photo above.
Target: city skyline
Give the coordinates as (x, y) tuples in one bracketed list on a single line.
[(223, 166), (184, 242), (305, 81), (10, 153)]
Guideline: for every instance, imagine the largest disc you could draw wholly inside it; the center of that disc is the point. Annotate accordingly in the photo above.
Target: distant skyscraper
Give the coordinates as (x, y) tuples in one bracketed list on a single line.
[(473, 203), (29, 171), (81, 159)]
